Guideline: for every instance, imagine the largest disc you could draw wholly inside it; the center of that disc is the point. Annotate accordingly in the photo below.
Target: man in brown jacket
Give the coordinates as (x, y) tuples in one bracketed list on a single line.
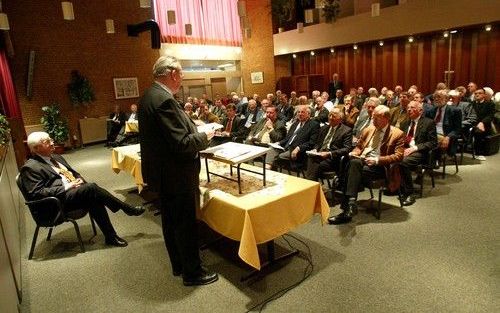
[(379, 146)]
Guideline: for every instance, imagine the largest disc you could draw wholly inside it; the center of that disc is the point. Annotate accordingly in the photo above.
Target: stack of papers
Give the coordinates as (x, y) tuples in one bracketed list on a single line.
[(209, 127)]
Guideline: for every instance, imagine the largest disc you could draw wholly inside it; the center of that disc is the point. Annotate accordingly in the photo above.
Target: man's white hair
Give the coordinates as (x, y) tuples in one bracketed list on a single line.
[(35, 138), (164, 65)]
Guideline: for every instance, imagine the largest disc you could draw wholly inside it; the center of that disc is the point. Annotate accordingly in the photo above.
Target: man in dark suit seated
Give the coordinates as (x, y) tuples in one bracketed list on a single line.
[(300, 138), (420, 139), (334, 141), (379, 146), (115, 123), (233, 128), (285, 110), (122, 136), (485, 111), (320, 113), (49, 175), (448, 121)]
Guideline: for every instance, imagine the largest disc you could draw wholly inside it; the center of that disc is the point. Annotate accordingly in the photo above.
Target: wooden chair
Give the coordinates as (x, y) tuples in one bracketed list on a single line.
[(48, 212)]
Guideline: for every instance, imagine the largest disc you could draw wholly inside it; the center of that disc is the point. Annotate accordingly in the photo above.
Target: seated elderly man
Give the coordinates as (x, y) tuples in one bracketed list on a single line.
[(49, 175), (300, 138), (420, 139), (122, 135), (205, 115), (448, 121), (320, 113), (365, 118), (399, 113), (379, 146), (334, 141), (188, 108), (349, 111), (115, 122), (469, 116)]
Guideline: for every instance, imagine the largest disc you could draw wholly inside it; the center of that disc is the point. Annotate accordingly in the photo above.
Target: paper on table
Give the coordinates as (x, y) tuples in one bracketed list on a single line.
[(209, 127), (276, 145), (229, 153)]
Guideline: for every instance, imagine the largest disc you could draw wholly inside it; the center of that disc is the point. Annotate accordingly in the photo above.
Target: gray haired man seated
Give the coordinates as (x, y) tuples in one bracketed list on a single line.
[(49, 175)]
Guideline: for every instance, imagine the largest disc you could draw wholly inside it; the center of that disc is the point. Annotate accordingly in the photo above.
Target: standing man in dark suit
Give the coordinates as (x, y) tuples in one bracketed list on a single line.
[(170, 144), (420, 139), (334, 141), (49, 175), (379, 146), (335, 84)]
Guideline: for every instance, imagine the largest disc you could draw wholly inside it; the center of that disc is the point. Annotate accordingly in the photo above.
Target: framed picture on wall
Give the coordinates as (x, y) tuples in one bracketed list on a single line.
[(126, 87), (257, 77)]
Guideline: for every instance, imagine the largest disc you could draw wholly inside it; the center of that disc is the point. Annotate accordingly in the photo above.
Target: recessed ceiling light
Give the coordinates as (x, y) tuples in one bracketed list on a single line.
[(381, 43), (446, 34), (294, 55), (487, 27), (312, 53), (410, 39), (355, 47)]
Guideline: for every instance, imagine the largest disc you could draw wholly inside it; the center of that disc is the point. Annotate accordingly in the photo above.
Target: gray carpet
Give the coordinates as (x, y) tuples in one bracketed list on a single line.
[(439, 255)]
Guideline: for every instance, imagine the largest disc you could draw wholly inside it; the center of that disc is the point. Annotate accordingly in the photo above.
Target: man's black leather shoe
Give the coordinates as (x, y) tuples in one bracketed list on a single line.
[(134, 211), (353, 209), (177, 272), (116, 241), (342, 218), (204, 277), (408, 200)]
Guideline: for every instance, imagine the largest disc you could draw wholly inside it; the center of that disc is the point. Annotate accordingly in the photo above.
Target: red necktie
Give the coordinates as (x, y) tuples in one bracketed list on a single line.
[(437, 119), (411, 133), (229, 124)]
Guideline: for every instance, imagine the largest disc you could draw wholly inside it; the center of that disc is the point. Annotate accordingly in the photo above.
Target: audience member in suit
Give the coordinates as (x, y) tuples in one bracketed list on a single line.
[(188, 108), (49, 175), (364, 119), (399, 113), (379, 146), (115, 122), (469, 116), (339, 98), (267, 130), (397, 91), (485, 111), (206, 116), (170, 145), (294, 100), (328, 104), (320, 113), (389, 99), (233, 130), (253, 115), (300, 138), (420, 139), (335, 84), (350, 112), (334, 141), (285, 110), (360, 97), (122, 136), (471, 91), (219, 109), (448, 121)]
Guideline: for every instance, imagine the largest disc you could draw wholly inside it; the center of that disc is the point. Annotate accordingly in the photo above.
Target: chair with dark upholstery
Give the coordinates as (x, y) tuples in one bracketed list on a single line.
[(382, 185), (426, 168), (48, 212)]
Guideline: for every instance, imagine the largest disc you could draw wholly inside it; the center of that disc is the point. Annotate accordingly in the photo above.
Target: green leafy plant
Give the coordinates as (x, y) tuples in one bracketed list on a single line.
[(4, 130), (331, 10), (54, 124), (80, 90)]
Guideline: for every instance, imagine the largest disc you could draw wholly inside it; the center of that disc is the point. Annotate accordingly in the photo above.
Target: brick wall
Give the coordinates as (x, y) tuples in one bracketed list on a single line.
[(82, 44)]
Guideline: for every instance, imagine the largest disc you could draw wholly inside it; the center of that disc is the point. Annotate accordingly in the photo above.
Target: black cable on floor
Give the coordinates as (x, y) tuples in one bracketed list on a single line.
[(307, 272)]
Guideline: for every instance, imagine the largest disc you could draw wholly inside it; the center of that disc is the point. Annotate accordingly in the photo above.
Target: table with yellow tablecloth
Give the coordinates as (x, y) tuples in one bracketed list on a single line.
[(131, 127), (258, 215)]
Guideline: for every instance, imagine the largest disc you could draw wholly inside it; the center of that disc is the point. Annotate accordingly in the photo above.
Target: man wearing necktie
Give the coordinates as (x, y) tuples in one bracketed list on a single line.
[(49, 175), (233, 128), (379, 146), (420, 139), (334, 141), (365, 118)]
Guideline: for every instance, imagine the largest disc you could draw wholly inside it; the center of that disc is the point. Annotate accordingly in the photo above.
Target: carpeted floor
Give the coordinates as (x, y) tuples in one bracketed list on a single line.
[(439, 255)]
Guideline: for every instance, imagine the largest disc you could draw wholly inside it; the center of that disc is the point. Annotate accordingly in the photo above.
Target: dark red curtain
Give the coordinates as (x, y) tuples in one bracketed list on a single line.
[(8, 97)]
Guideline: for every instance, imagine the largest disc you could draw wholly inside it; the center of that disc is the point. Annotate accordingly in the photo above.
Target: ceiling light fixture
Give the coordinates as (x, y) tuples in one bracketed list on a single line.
[(487, 27), (332, 50), (355, 47), (312, 53), (454, 31), (381, 43), (411, 39), (294, 56), (446, 34)]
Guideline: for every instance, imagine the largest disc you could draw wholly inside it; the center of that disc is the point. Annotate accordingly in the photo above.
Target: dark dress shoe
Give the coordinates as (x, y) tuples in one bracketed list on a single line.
[(134, 211), (116, 241), (408, 200), (353, 209), (342, 218), (203, 277), (177, 272)]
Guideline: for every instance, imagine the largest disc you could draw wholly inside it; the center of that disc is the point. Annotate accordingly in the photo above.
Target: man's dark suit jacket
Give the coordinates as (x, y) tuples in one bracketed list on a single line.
[(169, 143), (285, 113), (278, 132), (485, 113), (121, 117), (341, 143), (305, 138), (238, 130), (425, 133), (332, 87), (452, 124), (40, 180), (322, 116)]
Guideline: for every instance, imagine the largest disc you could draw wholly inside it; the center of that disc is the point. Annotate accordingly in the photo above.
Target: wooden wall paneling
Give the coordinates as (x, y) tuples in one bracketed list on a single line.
[(456, 64), (385, 70), (491, 59), (413, 65), (482, 58), (362, 65), (401, 65), (418, 67), (395, 62), (442, 50), (344, 63), (465, 59), (432, 79), (426, 64), (406, 70), (374, 81), (473, 57), (495, 68)]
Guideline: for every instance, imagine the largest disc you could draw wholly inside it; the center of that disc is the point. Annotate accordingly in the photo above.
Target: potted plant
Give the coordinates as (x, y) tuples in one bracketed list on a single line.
[(331, 10), (55, 125), (79, 89), (4, 134)]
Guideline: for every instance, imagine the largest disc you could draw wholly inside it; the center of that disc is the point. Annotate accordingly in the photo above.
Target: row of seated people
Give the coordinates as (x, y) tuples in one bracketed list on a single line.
[(116, 130)]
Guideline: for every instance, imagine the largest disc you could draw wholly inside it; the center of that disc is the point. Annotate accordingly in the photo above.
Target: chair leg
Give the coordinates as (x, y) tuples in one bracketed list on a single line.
[(422, 174), (377, 213), (371, 192), (456, 163), (444, 165), (33, 242), (77, 230), (49, 234), (432, 179), (93, 225)]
